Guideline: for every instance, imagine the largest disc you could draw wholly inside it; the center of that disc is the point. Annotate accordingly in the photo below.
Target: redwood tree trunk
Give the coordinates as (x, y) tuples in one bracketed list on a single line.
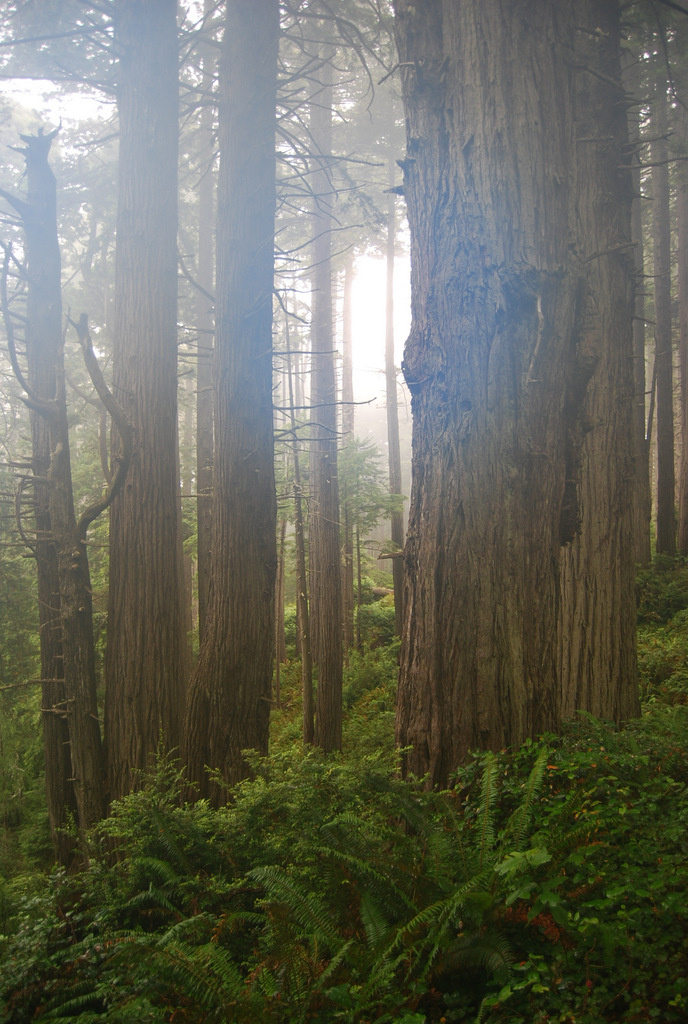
[(72, 603), (206, 333), (598, 666), (303, 645), (43, 341), (325, 560), (682, 218), (498, 363), (394, 449), (642, 498), (229, 697), (348, 410), (664, 359), (145, 661)]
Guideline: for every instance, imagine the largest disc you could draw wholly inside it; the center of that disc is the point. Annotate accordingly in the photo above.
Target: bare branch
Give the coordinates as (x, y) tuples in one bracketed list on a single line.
[(123, 460)]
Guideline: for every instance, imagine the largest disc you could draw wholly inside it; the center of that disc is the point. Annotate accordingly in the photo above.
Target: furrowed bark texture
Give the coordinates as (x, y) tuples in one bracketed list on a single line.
[(598, 664), (145, 658), (498, 362), (230, 691)]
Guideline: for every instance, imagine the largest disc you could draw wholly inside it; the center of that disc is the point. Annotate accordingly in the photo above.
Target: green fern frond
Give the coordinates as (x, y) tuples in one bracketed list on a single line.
[(157, 870), (152, 897), (365, 871), (383, 975), (80, 998), (305, 906), (486, 836), (483, 949), (375, 924), (517, 826), (169, 843), (183, 930), (205, 974)]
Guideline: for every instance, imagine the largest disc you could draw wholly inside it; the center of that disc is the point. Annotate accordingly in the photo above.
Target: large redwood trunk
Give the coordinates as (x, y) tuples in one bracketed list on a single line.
[(145, 662), (229, 696), (598, 667), (498, 364)]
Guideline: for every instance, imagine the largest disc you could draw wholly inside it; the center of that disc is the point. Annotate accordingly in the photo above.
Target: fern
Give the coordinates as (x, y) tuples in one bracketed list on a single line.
[(486, 819), (305, 906), (517, 826), (375, 924)]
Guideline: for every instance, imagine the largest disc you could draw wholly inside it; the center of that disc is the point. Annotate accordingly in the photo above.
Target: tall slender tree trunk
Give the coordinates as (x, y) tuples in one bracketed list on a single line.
[(597, 628), (229, 697), (206, 332), (498, 363), (302, 612), (394, 449), (664, 358), (325, 561), (682, 219), (145, 663), (642, 497), (44, 335), (43, 341), (348, 410)]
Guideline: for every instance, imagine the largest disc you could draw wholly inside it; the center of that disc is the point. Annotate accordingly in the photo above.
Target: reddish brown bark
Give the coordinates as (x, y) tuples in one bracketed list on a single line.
[(230, 691), (598, 671), (145, 664), (498, 364)]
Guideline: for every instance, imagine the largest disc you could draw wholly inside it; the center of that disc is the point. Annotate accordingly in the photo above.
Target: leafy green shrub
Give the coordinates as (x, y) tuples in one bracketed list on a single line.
[(290, 627), (663, 660), (662, 590), (376, 623), (369, 669)]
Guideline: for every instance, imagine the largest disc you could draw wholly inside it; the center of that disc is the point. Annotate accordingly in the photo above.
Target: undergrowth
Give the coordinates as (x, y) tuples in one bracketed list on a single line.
[(547, 885)]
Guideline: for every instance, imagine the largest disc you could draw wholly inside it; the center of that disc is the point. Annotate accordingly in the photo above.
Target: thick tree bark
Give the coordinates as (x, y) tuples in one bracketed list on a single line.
[(229, 698), (598, 665), (498, 362), (325, 560), (393, 446), (145, 662), (664, 358)]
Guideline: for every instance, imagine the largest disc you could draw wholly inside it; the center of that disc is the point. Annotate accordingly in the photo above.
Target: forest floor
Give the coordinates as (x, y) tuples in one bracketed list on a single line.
[(548, 885)]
